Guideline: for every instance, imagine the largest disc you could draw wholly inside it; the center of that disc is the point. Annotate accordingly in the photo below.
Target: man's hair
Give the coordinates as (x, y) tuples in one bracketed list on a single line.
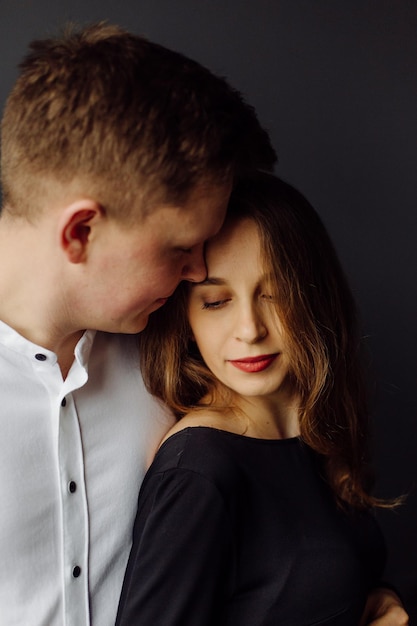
[(317, 314), (123, 119)]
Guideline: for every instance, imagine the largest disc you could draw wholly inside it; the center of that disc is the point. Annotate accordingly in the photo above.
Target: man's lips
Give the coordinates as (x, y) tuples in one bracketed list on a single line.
[(254, 363), (156, 305), (165, 298)]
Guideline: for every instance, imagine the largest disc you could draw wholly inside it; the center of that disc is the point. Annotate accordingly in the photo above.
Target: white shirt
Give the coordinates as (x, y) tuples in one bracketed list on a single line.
[(73, 454)]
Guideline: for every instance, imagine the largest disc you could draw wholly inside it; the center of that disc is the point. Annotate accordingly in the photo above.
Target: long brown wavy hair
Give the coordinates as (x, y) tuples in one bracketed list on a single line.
[(318, 316)]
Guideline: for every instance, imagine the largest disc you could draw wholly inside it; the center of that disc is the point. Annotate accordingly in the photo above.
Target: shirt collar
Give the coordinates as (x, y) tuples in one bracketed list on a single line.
[(12, 340)]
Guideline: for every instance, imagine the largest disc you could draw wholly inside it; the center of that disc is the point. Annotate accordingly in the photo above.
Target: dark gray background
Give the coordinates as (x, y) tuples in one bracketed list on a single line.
[(335, 82)]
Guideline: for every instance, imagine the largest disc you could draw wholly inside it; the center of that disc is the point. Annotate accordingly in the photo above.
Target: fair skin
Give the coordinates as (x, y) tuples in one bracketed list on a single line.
[(233, 320), (75, 268), (384, 608), (240, 339)]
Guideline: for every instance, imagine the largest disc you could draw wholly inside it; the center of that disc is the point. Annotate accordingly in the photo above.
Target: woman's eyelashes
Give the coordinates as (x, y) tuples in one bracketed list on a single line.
[(218, 303), (268, 297), (215, 304)]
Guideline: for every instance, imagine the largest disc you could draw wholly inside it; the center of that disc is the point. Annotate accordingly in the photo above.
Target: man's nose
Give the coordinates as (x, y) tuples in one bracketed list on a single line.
[(195, 269)]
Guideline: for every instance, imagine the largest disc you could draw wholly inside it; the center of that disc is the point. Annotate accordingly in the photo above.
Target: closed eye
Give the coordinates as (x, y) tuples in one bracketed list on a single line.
[(217, 304)]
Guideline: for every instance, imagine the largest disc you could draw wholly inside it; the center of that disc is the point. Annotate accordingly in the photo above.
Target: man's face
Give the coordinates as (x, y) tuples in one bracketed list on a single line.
[(138, 268)]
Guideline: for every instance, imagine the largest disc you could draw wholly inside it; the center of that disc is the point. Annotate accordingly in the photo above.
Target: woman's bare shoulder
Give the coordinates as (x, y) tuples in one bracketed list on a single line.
[(210, 418)]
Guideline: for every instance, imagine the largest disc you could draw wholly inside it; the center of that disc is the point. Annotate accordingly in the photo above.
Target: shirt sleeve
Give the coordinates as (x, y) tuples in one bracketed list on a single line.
[(180, 563)]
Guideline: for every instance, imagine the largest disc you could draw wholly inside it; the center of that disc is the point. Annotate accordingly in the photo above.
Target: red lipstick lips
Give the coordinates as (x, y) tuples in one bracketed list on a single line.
[(254, 364)]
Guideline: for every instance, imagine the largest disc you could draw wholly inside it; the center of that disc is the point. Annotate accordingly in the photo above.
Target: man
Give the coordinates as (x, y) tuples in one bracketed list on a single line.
[(118, 157)]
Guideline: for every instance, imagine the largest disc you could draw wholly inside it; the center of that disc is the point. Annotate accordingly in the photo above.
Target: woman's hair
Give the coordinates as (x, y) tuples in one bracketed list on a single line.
[(318, 317)]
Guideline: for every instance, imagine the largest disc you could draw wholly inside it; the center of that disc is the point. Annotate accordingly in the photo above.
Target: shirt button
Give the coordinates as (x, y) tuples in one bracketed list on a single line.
[(76, 571), (40, 357), (63, 402), (72, 486)]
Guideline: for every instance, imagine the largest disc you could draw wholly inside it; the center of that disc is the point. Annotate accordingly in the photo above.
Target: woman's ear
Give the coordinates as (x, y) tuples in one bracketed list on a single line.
[(75, 227)]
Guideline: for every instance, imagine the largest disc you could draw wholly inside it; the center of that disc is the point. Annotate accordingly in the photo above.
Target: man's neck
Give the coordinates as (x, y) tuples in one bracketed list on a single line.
[(66, 354), (63, 347), (32, 290)]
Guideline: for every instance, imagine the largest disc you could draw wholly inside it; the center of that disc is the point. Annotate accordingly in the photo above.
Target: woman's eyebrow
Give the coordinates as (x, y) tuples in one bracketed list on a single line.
[(211, 280)]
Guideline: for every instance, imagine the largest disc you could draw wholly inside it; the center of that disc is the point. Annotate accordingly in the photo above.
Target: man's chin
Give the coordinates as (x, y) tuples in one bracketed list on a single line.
[(133, 327), (142, 323)]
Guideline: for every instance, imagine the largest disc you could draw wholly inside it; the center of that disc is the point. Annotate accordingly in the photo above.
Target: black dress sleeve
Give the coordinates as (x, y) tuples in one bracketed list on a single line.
[(180, 564)]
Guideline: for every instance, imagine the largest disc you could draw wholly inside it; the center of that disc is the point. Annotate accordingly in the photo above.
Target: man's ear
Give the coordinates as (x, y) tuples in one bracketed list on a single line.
[(75, 226)]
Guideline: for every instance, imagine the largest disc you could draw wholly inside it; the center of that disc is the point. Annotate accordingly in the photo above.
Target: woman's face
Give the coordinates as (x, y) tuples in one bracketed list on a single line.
[(233, 316)]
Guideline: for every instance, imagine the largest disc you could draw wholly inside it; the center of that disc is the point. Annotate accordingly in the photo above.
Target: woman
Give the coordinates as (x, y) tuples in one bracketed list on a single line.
[(256, 509)]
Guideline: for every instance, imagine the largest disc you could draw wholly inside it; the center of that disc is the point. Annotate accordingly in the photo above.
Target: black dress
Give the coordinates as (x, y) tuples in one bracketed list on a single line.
[(236, 531)]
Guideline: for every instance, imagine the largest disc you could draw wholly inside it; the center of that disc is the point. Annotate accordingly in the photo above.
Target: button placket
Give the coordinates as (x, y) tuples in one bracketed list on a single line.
[(74, 514)]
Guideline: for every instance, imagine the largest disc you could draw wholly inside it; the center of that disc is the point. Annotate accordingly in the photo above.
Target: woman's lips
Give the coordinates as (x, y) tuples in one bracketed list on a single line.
[(254, 364)]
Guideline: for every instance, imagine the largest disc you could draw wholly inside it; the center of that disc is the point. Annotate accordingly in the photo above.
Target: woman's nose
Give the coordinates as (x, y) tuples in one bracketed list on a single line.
[(250, 326)]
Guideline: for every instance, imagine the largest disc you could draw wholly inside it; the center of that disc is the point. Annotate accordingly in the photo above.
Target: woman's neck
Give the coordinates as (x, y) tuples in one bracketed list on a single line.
[(264, 417)]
